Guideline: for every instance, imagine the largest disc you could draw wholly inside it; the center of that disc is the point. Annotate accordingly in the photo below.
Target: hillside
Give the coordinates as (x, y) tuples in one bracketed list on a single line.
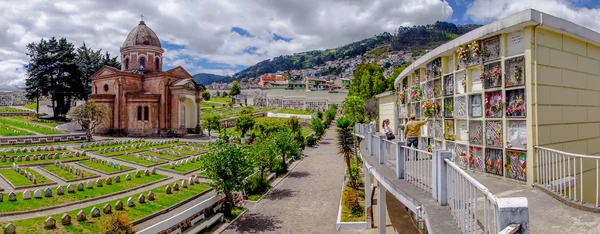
[(416, 40), (207, 79)]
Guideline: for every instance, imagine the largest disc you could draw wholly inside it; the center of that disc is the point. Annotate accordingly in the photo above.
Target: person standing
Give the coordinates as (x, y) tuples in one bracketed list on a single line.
[(389, 134), (412, 131)]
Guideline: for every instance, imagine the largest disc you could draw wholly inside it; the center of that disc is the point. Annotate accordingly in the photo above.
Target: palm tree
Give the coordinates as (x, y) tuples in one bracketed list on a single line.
[(346, 145)]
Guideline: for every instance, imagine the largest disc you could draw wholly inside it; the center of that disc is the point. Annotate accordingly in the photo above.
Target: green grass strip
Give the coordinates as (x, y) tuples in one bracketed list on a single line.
[(32, 120), (7, 130), (184, 168), (36, 203), (46, 144), (20, 180), (30, 127), (94, 225), (102, 167), (39, 161), (66, 175), (139, 160), (36, 152), (11, 110)]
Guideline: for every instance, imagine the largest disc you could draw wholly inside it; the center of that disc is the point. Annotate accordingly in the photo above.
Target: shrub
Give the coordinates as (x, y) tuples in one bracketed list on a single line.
[(352, 202), (354, 169), (300, 139), (256, 185), (319, 114), (310, 140), (213, 106), (117, 223), (278, 167)]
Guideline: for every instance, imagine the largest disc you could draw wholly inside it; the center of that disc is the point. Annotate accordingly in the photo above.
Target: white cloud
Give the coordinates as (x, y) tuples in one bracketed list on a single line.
[(489, 10), (204, 27)]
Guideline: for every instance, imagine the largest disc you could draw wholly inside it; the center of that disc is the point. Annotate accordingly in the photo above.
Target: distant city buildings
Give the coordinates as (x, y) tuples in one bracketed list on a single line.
[(16, 98)]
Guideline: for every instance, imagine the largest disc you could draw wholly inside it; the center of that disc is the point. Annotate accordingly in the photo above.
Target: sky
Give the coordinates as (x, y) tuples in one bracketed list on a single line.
[(225, 36)]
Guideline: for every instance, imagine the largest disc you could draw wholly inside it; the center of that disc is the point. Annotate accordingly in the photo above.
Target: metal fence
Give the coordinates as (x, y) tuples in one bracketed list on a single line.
[(389, 152), (472, 205), (568, 175), (417, 168)]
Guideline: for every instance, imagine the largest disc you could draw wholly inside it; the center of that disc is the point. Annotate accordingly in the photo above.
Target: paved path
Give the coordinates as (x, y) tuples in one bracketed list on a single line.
[(306, 201)]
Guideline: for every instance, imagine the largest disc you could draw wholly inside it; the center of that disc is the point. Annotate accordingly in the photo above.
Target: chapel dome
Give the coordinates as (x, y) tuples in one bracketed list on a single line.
[(142, 35)]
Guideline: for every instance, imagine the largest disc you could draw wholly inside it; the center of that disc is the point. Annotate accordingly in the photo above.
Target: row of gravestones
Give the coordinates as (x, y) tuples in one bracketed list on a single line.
[(108, 143), (37, 149), (69, 168), (136, 146), (37, 157), (184, 161), (25, 173), (50, 222), (47, 192), (107, 163), (166, 152), (184, 147), (153, 159)]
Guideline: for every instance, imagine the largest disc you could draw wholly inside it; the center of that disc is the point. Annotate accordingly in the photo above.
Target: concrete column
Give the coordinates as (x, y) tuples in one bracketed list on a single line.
[(512, 210), (439, 173), (382, 149), (381, 208), (368, 205), (399, 160)]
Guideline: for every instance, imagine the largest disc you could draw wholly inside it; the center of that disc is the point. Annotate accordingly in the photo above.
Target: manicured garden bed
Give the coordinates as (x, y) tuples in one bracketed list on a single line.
[(103, 168), (32, 120), (297, 112), (47, 144), (187, 168), (46, 152), (37, 203), (165, 156), (140, 161), (30, 127), (66, 175), (141, 149), (93, 225), (42, 161), (18, 180), (11, 110), (8, 130)]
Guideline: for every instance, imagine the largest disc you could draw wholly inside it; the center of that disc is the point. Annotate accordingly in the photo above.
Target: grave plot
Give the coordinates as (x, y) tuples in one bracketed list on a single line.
[(33, 156), (493, 133), (475, 108), (463, 131), (460, 107), (104, 166), (476, 158), (177, 152), (475, 53), (78, 192), (491, 48), (476, 132), (516, 162), (516, 103), (184, 166), (427, 88), (7, 130), (492, 75), (476, 79), (141, 160), (448, 107), (493, 161), (91, 219), (136, 148), (434, 69), (462, 152), (517, 134), (461, 83), (68, 172), (449, 85), (93, 146), (449, 129), (19, 177), (494, 105), (438, 130), (41, 129), (437, 88), (514, 71)]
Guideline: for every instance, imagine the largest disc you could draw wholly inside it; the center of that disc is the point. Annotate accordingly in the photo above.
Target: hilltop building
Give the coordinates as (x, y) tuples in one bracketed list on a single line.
[(16, 98), (142, 98), (272, 81)]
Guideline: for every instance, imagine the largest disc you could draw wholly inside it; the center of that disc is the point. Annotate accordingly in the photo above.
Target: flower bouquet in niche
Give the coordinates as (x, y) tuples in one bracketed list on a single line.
[(416, 93), (429, 148), (431, 108), (463, 54), (402, 98), (464, 83), (474, 47), (493, 105), (495, 75)]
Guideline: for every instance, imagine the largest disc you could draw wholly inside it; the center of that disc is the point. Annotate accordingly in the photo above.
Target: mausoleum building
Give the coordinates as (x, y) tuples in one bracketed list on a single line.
[(142, 98), (499, 91)]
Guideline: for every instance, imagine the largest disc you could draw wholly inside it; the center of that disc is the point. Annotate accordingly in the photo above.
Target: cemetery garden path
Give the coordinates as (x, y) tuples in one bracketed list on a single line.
[(306, 201), (173, 178)]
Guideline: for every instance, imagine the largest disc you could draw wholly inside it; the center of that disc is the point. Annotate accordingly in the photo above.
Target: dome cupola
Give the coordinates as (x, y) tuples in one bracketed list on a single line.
[(141, 51), (142, 35)]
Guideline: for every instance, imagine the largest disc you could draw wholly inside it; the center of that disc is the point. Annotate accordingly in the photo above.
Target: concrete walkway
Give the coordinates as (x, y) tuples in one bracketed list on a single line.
[(546, 214)]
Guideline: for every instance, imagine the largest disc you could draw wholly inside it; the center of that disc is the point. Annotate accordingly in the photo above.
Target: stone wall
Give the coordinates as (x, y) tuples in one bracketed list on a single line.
[(16, 114), (42, 139)]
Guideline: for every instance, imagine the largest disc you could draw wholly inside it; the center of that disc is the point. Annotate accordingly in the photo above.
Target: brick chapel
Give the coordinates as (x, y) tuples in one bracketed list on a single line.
[(143, 99)]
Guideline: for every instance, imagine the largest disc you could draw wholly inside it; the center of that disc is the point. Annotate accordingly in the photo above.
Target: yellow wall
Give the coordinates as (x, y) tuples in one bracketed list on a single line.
[(386, 111)]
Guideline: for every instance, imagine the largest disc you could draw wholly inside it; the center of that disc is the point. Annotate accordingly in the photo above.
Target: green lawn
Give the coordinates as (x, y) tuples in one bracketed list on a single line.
[(8, 163), (30, 126), (102, 167), (298, 112), (184, 168), (36, 152), (36, 203), (32, 106), (32, 120), (141, 149), (66, 175), (221, 100), (164, 156), (10, 109), (93, 225), (20, 180), (46, 144), (144, 162), (227, 112), (8, 130)]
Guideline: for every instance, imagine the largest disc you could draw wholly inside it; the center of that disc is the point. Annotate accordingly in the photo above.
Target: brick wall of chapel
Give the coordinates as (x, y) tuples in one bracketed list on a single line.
[(134, 60)]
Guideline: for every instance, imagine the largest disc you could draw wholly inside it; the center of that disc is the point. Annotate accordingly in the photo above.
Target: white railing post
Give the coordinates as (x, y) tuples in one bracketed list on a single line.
[(381, 150), (367, 193), (440, 176), (399, 160), (512, 210)]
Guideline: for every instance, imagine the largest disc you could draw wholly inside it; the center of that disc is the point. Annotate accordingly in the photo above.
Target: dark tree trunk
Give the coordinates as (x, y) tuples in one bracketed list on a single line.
[(37, 106)]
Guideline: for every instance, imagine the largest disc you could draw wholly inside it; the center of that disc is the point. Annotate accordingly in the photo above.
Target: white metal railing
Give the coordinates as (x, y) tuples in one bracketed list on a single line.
[(375, 146), (389, 151), (465, 196), (417, 168), (567, 174)]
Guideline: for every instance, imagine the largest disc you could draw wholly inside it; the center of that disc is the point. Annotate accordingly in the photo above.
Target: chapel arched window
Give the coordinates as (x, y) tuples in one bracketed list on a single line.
[(142, 63), (139, 113)]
